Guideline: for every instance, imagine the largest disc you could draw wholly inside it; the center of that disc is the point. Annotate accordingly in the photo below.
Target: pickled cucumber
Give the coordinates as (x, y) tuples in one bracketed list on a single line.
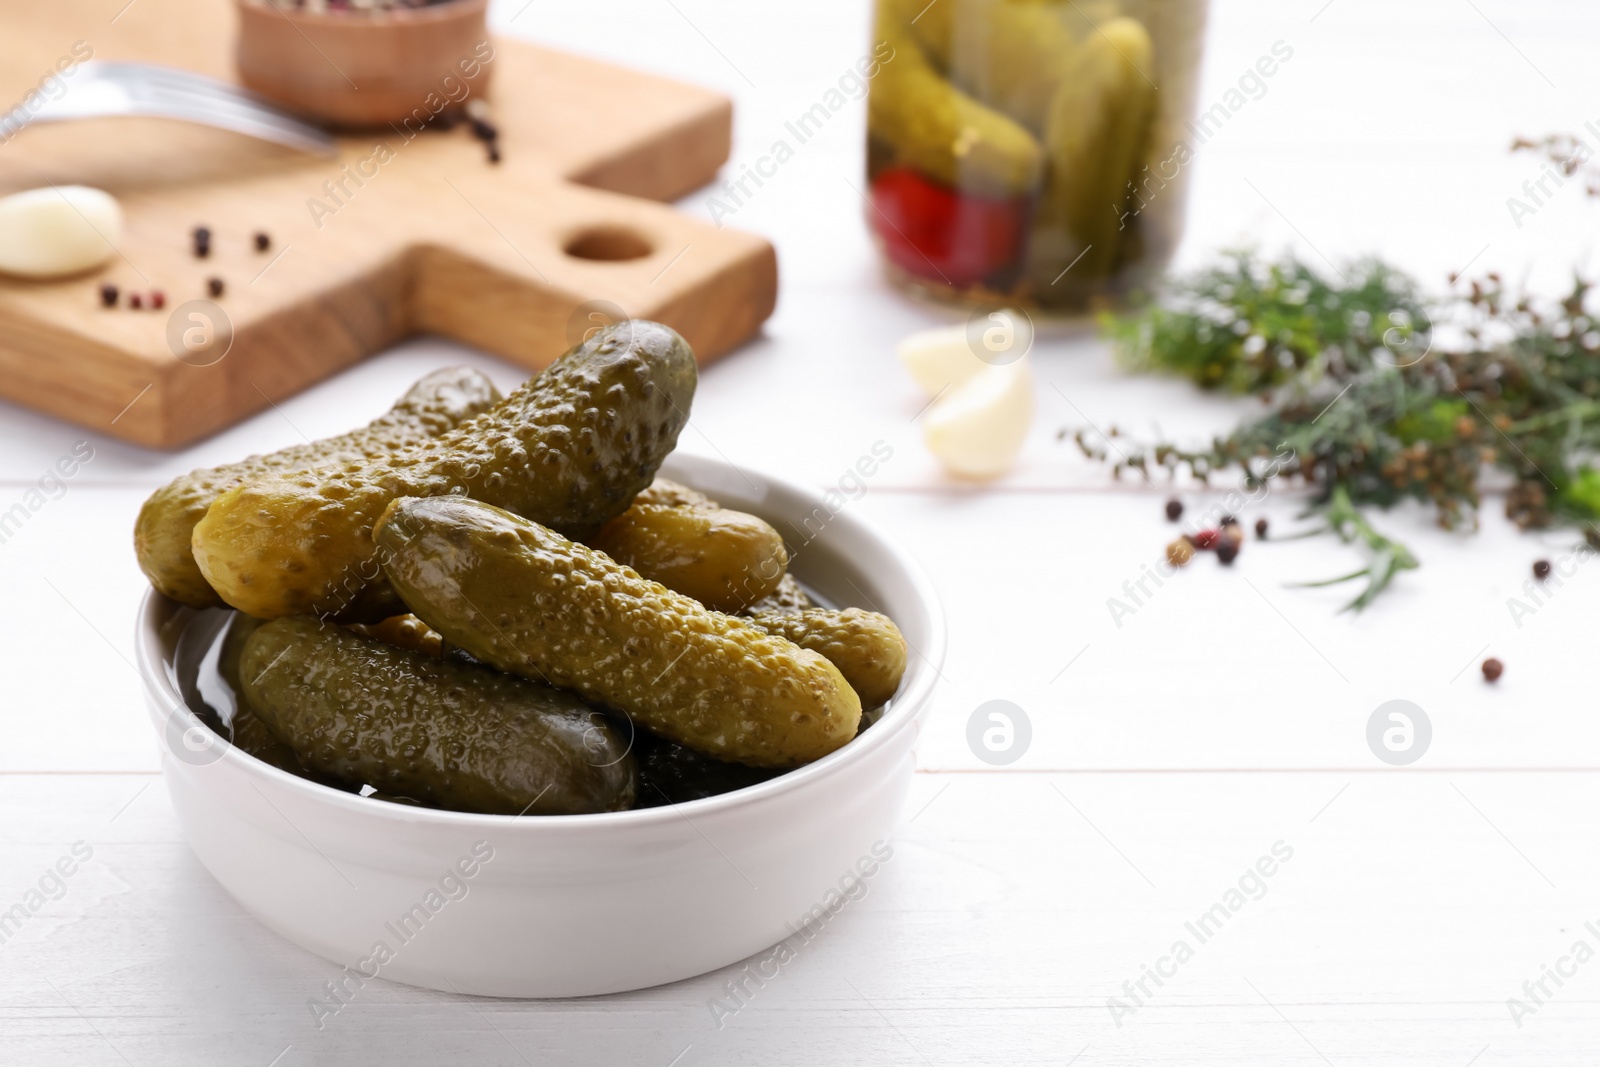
[(866, 647), (162, 533), (1010, 56), (787, 599), (571, 449), (525, 599), (406, 724), (725, 559), (246, 731), (941, 131), (1096, 134), (665, 492)]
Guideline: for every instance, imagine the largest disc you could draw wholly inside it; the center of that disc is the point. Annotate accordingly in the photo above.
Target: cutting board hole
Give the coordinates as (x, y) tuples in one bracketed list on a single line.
[(608, 243)]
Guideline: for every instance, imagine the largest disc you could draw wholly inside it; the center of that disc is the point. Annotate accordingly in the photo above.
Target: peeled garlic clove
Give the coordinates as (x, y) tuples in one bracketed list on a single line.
[(47, 233), (978, 427), (939, 358), (949, 355)]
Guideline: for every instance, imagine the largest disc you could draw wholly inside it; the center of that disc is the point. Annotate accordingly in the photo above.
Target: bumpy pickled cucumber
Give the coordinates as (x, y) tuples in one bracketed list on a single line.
[(1096, 134), (673, 774), (571, 449), (938, 129), (1010, 56), (460, 737), (664, 492), (866, 647), (247, 732), (161, 535), (725, 559), (527, 600), (787, 599)]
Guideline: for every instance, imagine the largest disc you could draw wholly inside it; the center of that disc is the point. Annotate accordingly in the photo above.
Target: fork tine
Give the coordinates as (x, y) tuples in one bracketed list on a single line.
[(168, 92), (240, 117)]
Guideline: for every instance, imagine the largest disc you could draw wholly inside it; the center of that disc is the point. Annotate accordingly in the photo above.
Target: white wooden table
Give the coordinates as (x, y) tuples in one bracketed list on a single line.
[(1224, 719)]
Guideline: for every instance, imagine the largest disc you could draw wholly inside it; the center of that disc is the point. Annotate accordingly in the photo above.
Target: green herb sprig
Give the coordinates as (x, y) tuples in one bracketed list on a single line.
[(1376, 395)]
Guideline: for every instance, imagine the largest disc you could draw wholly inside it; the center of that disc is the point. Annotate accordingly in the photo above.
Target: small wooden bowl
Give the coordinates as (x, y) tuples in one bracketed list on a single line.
[(366, 68)]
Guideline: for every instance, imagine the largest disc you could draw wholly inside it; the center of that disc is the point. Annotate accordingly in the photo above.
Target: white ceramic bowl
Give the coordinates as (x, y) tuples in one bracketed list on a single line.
[(570, 905)]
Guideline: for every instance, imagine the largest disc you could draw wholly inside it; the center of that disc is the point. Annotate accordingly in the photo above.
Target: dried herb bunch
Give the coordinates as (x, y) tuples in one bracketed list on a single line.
[(1375, 395)]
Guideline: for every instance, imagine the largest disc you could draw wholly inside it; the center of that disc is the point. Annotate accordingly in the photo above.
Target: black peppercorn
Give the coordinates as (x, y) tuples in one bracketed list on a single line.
[(1261, 529), (1492, 669), (214, 286), (1541, 569), (263, 242), (202, 242), (108, 295), (135, 301), (1228, 520), (1227, 551), (1174, 509)]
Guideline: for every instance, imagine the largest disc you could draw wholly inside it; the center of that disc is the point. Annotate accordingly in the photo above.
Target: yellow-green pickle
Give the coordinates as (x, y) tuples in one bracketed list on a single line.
[(725, 559), (433, 730), (1031, 151), (787, 599), (164, 531), (522, 598), (866, 647), (571, 448)]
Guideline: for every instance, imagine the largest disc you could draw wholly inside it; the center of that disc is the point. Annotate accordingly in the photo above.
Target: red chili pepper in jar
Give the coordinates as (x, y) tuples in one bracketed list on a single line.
[(935, 232)]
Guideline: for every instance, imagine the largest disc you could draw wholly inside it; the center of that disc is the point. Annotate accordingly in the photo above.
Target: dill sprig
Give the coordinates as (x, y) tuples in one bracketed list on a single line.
[(1376, 395)]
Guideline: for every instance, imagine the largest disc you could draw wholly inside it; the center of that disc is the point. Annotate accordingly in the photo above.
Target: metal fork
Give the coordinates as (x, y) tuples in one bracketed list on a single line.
[(104, 89)]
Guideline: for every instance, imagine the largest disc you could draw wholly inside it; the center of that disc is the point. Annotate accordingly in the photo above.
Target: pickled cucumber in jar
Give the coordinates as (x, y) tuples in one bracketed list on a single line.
[(1030, 151)]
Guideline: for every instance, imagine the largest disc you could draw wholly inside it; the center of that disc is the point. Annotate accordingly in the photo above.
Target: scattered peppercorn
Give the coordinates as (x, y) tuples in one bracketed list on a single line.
[(202, 242), (214, 286), (1206, 540), (158, 300), (1174, 509), (135, 301), (1492, 669), (1227, 552), (1228, 520), (263, 242), (1261, 529), (108, 295), (1180, 552), (1541, 569)]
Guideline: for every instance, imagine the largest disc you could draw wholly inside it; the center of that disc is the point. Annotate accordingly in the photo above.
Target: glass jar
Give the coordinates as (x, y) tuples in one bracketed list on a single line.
[(1031, 151)]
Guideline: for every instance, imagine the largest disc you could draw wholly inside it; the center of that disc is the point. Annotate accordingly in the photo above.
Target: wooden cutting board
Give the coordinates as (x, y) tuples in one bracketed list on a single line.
[(517, 258)]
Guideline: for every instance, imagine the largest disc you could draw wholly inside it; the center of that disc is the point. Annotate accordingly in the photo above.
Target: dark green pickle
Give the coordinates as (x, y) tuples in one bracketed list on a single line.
[(246, 731), (433, 730), (532, 603)]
